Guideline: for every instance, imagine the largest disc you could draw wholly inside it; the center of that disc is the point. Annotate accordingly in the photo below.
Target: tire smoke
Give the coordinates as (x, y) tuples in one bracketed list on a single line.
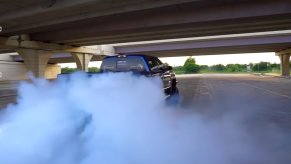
[(117, 118)]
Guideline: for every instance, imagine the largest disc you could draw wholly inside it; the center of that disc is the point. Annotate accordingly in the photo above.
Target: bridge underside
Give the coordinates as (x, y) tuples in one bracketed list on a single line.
[(231, 44), (67, 25), (61, 58), (104, 22), (215, 51)]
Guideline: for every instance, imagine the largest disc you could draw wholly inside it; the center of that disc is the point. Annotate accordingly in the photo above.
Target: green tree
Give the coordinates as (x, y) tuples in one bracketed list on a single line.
[(166, 64), (68, 70), (204, 67), (71, 70), (190, 66), (178, 68), (218, 67), (242, 67), (276, 66), (262, 66), (93, 69), (232, 67)]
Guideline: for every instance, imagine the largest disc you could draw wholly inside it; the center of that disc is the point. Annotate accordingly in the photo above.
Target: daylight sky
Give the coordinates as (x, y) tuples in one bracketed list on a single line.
[(208, 60)]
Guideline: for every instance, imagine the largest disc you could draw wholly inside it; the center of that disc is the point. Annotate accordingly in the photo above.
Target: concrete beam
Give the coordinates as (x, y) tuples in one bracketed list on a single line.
[(86, 9), (71, 60), (35, 60), (286, 51), (163, 23), (39, 8), (261, 42), (13, 43), (10, 5)]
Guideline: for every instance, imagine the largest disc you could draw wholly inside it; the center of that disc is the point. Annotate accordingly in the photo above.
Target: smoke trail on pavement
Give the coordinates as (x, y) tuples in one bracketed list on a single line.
[(115, 118)]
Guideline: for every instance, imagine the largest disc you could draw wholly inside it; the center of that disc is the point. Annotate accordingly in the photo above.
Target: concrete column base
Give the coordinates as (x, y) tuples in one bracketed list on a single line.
[(35, 60), (82, 60), (285, 64)]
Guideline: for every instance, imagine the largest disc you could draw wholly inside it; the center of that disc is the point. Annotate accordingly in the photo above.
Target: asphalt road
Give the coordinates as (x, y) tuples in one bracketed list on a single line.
[(266, 101), (5, 100), (8, 93), (222, 93), (263, 104)]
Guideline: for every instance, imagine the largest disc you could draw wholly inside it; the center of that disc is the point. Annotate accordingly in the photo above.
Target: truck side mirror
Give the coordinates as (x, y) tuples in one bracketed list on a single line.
[(169, 68)]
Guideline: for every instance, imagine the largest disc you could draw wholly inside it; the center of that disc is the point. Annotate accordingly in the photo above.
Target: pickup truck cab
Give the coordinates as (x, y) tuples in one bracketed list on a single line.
[(142, 65), (146, 65)]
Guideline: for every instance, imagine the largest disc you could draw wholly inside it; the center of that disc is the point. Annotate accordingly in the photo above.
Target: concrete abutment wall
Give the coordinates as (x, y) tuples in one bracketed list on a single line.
[(34, 61), (285, 64), (14, 71)]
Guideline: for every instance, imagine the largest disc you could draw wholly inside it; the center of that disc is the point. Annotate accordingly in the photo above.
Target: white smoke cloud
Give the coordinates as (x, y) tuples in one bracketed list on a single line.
[(116, 119)]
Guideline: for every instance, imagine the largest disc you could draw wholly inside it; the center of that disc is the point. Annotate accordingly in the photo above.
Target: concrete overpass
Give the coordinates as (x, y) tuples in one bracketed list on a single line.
[(39, 30), (213, 45), (96, 22), (36, 55), (276, 41)]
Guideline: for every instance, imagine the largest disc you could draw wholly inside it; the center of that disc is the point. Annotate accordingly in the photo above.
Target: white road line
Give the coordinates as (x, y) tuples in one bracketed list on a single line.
[(263, 89), (267, 90)]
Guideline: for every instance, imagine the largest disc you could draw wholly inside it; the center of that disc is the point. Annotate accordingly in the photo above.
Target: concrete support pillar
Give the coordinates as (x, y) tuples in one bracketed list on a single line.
[(82, 60), (35, 60), (285, 64)]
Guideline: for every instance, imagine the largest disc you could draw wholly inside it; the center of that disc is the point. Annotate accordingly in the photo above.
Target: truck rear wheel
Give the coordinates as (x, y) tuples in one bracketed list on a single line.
[(173, 87), (174, 98)]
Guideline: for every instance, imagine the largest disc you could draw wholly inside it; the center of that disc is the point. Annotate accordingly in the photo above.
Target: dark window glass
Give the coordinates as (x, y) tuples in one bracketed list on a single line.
[(123, 64), (108, 64), (152, 63)]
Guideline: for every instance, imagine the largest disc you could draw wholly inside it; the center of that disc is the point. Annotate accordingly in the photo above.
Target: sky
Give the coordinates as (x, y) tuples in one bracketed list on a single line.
[(208, 60)]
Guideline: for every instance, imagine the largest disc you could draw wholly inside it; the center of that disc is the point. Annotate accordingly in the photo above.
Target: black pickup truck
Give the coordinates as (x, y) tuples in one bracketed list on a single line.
[(143, 65)]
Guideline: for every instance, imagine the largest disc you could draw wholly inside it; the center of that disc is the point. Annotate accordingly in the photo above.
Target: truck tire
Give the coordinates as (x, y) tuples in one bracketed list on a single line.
[(174, 86), (173, 100)]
